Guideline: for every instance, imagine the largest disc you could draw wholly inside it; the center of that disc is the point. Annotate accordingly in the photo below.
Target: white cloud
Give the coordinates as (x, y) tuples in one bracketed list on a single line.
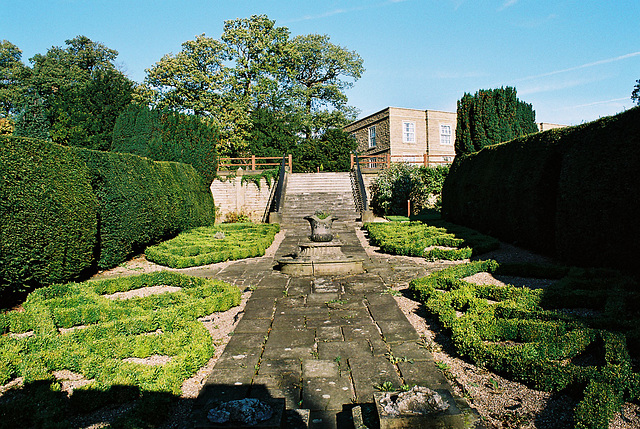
[(507, 4), (583, 66), (557, 86), (596, 103), (342, 11)]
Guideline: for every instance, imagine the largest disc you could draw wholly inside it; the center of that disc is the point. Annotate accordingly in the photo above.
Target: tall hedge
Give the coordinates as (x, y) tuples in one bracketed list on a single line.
[(164, 135), (143, 201), (48, 217), (570, 193), (492, 116), (598, 217), (64, 211)]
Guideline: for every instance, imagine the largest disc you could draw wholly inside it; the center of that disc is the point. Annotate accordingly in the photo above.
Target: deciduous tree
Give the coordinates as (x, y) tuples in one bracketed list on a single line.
[(255, 66), (319, 73), (82, 90), (13, 76)]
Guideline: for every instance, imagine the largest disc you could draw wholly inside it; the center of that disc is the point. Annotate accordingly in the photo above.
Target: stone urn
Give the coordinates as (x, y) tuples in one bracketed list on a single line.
[(321, 227)]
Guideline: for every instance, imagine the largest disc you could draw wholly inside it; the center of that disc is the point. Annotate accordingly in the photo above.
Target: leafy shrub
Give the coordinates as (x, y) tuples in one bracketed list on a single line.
[(143, 202), (401, 182), (48, 222), (520, 336), (208, 245)]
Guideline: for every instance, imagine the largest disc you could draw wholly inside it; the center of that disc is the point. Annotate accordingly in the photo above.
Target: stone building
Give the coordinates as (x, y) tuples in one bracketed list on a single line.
[(545, 126), (406, 135)]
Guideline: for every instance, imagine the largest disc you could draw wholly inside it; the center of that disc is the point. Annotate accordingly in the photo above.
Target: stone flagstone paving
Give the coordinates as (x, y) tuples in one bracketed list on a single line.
[(322, 344)]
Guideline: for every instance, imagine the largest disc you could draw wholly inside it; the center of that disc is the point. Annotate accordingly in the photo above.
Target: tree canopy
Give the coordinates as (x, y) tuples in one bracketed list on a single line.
[(75, 92), (255, 65), (635, 94), (12, 75), (492, 116)]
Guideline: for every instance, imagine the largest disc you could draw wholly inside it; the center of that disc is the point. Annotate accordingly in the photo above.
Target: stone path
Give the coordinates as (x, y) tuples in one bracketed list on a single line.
[(322, 344)]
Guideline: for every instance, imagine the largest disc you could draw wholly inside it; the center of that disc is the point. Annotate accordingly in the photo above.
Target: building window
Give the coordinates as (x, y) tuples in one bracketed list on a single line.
[(372, 136), (408, 132), (445, 134)]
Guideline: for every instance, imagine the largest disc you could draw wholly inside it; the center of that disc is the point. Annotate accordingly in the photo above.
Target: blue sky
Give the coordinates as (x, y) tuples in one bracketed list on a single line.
[(574, 60)]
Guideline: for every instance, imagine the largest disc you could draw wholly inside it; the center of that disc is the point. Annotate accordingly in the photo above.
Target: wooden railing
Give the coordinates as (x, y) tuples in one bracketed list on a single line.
[(253, 163), (382, 161)]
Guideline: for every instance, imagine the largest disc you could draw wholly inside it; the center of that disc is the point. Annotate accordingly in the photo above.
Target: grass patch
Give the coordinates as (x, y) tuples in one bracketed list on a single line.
[(212, 244), (112, 331), (433, 239), (529, 336)]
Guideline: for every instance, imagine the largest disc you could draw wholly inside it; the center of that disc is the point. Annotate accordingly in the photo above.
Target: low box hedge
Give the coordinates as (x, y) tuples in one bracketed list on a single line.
[(428, 239), (208, 245), (112, 330), (518, 334)]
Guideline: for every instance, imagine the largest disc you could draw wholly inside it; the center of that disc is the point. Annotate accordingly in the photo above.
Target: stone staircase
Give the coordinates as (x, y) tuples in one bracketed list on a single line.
[(308, 192)]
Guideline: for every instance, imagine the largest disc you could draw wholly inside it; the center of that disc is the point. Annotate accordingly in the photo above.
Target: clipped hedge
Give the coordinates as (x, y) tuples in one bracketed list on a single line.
[(516, 331), (48, 221), (208, 245), (142, 202), (165, 135), (598, 204), (507, 190), (566, 192), (108, 331), (65, 210), (427, 240)]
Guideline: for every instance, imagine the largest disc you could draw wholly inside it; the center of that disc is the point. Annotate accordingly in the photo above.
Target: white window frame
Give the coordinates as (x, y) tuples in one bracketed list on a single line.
[(408, 135), (445, 134), (372, 136)]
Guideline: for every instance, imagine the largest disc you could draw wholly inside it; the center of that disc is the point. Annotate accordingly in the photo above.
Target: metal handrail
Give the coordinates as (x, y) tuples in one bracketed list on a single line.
[(362, 191), (276, 203)]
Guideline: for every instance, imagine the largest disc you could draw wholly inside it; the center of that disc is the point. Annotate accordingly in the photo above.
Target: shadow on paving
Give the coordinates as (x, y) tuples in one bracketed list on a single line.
[(41, 404)]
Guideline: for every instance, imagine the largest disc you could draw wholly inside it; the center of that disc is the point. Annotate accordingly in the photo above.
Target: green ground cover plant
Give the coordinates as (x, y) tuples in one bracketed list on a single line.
[(218, 243), (419, 238), (532, 337), (107, 332)]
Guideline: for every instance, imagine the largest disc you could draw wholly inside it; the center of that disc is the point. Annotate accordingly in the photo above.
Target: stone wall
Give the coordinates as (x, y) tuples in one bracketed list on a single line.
[(360, 130), (233, 196)]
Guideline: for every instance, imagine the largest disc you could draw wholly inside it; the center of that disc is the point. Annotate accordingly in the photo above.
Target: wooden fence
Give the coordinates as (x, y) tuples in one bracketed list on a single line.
[(253, 163)]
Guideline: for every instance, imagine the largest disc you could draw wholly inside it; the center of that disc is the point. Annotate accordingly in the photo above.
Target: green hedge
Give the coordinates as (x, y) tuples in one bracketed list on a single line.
[(108, 331), (598, 204), (413, 239), (501, 191), (142, 202), (565, 192), (48, 222), (164, 135), (65, 210), (208, 245), (520, 334)]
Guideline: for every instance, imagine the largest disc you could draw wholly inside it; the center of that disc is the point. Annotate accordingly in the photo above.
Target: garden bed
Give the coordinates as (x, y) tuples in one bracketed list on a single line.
[(134, 353), (209, 245)]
